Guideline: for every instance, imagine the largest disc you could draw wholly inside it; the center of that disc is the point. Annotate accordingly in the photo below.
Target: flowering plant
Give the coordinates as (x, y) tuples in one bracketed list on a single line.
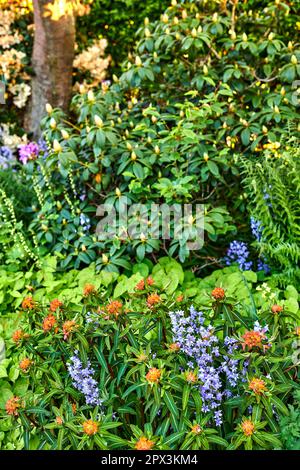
[(143, 368)]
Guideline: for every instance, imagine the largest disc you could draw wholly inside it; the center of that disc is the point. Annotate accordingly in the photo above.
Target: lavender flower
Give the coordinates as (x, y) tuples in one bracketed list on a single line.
[(201, 345), (238, 252), (262, 266), (256, 228), (84, 222), (28, 152), (6, 157), (83, 380)]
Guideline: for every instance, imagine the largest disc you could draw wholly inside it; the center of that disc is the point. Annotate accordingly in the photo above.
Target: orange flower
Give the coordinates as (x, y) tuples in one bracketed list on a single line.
[(150, 281), (68, 327), (89, 289), (144, 444), (191, 377), (90, 427), (248, 427), (54, 305), (252, 339), (196, 429), (59, 420), (276, 308), (25, 364), (174, 347), (114, 308), (12, 406), (74, 408), (49, 322), (297, 330), (258, 386), (179, 298), (140, 285), (28, 303), (17, 336), (218, 293), (153, 375), (153, 299)]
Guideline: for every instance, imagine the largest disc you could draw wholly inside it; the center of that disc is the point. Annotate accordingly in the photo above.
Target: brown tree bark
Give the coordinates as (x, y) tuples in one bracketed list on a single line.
[(52, 60)]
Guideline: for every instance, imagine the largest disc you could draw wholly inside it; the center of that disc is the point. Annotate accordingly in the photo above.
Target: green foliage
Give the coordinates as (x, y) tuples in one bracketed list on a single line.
[(117, 21), (273, 182), (124, 341), (290, 426)]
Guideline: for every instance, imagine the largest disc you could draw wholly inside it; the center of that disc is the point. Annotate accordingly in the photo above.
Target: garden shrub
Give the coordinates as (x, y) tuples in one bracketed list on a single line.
[(272, 183), (129, 364), (197, 96)]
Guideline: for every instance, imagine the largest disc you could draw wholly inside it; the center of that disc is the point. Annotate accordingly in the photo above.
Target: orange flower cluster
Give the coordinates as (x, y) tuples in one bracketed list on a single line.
[(54, 305), (114, 308), (89, 289), (13, 405), (174, 347), (140, 285), (179, 298), (153, 299), (276, 309), (28, 303), (150, 281), (153, 375), (258, 386), (18, 335), (191, 377), (144, 444), (49, 322), (252, 339), (218, 293), (248, 427), (25, 364), (90, 427), (59, 420), (196, 429), (68, 327)]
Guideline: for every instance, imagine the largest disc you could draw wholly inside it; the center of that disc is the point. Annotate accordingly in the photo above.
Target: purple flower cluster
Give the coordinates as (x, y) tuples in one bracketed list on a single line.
[(262, 266), (83, 380), (202, 346), (238, 252), (28, 152), (6, 157), (256, 228)]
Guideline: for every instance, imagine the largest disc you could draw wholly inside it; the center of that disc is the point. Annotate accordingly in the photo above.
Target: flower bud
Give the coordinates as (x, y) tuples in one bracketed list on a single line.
[(138, 61), (53, 123), (49, 108), (174, 3), (115, 78), (147, 33), (154, 119), (56, 146), (276, 109), (98, 121), (290, 45), (118, 192), (164, 18), (65, 134), (271, 37), (205, 69), (91, 96), (146, 21), (194, 33), (215, 17), (133, 155), (205, 156), (184, 14), (129, 146), (294, 60), (157, 149), (245, 37), (105, 259), (81, 89)]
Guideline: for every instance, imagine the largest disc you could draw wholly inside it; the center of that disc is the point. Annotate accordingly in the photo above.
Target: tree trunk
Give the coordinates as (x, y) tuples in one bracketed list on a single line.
[(52, 60)]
